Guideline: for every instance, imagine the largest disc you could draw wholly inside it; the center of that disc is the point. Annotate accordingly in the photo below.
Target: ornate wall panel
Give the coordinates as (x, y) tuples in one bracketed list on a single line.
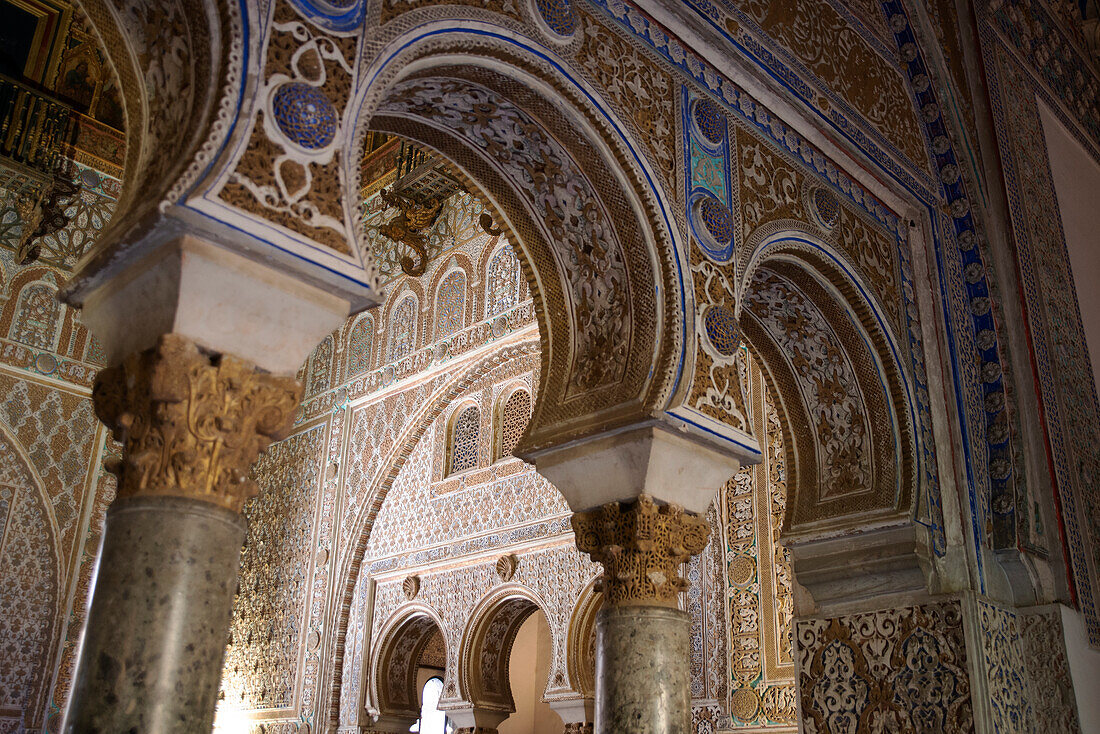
[(853, 67), (1005, 668), (289, 174), (870, 672), (53, 493), (644, 91), (758, 581), (269, 615), (1067, 393), (1044, 649), (30, 595)]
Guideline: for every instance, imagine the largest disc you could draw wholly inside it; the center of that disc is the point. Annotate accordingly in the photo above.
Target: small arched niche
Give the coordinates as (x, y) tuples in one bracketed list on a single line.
[(506, 660), (411, 650)]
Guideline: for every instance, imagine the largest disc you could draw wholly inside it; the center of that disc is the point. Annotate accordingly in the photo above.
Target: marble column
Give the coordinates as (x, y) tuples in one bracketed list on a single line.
[(642, 638), (191, 423)]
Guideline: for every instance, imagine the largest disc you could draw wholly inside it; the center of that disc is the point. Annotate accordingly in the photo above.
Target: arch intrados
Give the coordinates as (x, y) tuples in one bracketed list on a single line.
[(435, 45), (407, 632), (832, 271), (801, 259), (829, 267), (475, 660), (522, 75), (580, 666)]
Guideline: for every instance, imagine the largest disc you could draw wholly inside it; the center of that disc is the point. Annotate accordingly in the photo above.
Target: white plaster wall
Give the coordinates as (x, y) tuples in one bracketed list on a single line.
[(1077, 184)]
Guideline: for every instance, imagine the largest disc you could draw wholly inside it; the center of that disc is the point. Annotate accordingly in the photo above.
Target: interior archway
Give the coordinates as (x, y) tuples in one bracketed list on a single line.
[(409, 642), (485, 679), (598, 256), (845, 406)]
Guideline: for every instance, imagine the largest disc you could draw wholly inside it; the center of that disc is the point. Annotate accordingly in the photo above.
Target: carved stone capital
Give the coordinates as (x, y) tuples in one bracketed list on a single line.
[(191, 422), (578, 727), (641, 546)]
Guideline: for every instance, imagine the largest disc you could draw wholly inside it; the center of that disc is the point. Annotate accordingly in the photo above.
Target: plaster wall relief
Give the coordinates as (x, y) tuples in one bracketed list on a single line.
[(870, 672), (1043, 643), (269, 620), (757, 579), (1025, 60), (30, 598), (835, 58), (644, 91), (53, 491)]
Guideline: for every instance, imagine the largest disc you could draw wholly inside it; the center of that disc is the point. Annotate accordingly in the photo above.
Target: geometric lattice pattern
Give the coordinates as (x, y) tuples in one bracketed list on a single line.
[(261, 659), (464, 440), (513, 420), (403, 329), (37, 317), (450, 305), (502, 282), (359, 346), (304, 114)]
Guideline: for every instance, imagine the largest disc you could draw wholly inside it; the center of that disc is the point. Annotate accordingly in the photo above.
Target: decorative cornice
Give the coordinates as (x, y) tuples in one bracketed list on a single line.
[(641, 546), (191, 422)]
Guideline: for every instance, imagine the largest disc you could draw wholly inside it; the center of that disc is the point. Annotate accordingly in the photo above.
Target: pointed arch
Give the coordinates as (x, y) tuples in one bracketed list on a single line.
[(403, 328), (451, 303), (503, 280), (513, 411)]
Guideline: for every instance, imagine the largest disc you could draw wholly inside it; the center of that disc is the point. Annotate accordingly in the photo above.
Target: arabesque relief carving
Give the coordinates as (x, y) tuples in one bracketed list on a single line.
[(191, 422), (641, 547)]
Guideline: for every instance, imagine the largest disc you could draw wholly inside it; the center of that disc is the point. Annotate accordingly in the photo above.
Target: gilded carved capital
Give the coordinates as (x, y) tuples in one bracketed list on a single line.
[(192, 423), (641, 547)]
